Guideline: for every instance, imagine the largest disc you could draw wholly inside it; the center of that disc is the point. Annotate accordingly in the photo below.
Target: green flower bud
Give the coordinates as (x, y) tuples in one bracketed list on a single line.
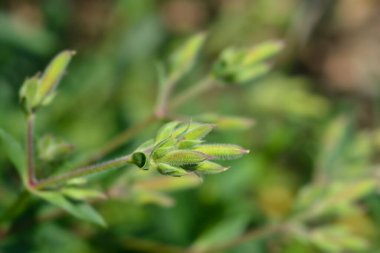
[(188, 144), (193, 131), (208, 167), (167, 169), (166, 131), (239, 66), (160, 152), (227, 122), (222, 151), (198, 132), (183, 157)]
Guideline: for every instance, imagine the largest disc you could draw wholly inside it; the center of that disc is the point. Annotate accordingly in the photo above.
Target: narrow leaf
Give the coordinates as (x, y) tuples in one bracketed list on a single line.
[(80, 210), (262, 52), (53, 75), (81, 193), (184, 58), (14, 152), (28, 93)]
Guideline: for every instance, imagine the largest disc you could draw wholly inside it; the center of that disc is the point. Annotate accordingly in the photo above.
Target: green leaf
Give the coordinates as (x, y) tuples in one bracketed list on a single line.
[(249, 74), (51, 237), (144, 197), (52, 76), (15, 153), (28, 93), (337, 239), (82, 193), (242, 65), (337, 137), (262, 52), (80, 210), (221, 232), (339, 199), (184, 58), (333, 198)]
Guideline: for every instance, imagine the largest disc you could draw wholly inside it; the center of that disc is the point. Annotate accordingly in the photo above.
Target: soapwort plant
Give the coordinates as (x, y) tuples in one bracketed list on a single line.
[(179, 148)]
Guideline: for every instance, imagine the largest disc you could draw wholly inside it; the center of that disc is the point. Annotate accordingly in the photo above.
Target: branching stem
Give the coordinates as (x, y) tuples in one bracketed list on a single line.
[(84, 171), (203, 86), (31, 174)]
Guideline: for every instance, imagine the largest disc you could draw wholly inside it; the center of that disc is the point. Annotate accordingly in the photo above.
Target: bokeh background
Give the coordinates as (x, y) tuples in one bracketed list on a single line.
[(316, 114)]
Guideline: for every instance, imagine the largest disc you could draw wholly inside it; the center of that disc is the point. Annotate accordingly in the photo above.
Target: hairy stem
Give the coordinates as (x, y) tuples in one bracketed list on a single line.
[(31, 174), (203, 86), (84, 171), (163, 97)]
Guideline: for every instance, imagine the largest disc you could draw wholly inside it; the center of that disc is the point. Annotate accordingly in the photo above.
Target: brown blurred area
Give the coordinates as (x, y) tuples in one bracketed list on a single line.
[(344, 48), (338, 41)]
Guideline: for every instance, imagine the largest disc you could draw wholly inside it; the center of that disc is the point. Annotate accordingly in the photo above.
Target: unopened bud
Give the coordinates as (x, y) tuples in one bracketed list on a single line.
[(208, 167), (183, 157), (167, 169), (166, 131), (222, 151)]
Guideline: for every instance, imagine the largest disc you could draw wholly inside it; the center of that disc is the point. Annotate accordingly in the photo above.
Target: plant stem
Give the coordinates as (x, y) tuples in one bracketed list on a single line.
[(31, 174), (163, 97), (84, 171), (129, 133), (203, 86)]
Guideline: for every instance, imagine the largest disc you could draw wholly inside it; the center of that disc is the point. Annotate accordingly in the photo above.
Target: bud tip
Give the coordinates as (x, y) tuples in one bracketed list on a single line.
[(246, 151)]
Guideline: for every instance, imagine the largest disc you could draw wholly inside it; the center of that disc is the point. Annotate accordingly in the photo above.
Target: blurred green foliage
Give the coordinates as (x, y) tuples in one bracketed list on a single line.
[(313, 173)]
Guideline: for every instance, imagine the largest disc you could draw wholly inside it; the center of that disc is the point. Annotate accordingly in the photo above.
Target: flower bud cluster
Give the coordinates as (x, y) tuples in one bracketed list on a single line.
[(179, 149)]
